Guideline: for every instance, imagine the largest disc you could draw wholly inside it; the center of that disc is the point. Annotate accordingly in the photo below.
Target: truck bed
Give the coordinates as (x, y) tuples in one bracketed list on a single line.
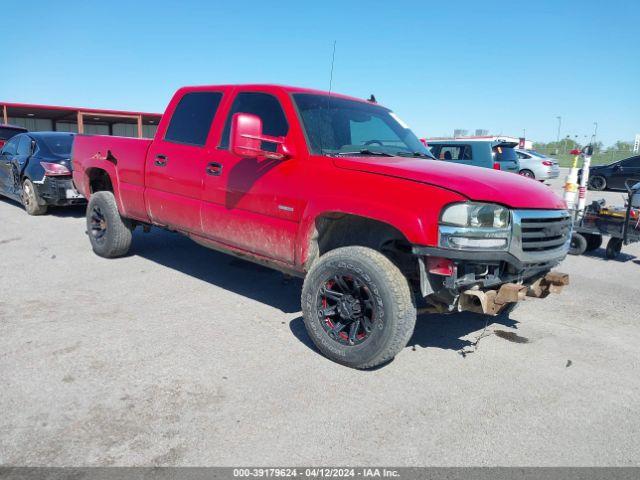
[(123, 159)]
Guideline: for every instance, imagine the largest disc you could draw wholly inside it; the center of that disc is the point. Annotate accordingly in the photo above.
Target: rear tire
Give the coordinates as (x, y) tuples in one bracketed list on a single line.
[(110, 234), (614, 247), (594, 241), (578, 244), (358, 307), (598, 183), (30, 199), (527, 173)]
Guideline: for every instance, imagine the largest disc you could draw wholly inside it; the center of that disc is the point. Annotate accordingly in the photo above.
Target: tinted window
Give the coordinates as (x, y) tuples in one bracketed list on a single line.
[(263, 105), (504, 154), (631, 162), (59, 144), (24, 147), (191, 120), (11, 147), (6, 133), (454, 152)]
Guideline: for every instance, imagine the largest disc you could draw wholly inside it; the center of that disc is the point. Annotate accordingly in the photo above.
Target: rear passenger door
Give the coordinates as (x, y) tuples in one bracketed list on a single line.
[(176, 161)]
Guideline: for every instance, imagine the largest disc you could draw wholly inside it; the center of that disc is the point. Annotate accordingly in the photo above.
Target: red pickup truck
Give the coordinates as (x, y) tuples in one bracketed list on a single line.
[(337, 190)]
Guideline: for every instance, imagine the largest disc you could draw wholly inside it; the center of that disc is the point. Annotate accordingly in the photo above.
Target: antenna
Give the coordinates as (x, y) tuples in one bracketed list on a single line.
[(333, 58)]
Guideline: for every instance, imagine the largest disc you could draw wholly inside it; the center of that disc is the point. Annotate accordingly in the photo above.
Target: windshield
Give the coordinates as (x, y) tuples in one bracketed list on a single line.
[(335, 126), (58, 144)]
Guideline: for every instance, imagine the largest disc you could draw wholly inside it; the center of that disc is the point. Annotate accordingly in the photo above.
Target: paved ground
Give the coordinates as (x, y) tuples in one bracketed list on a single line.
[(177, 355)]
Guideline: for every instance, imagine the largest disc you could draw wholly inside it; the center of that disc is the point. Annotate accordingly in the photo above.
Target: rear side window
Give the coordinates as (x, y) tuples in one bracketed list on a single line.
[(263, 105), (504, 154), (24, 147), (192, 118), (452, 152)]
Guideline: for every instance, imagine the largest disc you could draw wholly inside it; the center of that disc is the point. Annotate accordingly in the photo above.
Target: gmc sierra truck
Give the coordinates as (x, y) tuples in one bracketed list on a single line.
[(339, 191)]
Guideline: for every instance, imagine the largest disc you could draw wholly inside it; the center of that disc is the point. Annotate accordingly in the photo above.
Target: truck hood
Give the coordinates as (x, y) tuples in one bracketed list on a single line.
[(475, 183)]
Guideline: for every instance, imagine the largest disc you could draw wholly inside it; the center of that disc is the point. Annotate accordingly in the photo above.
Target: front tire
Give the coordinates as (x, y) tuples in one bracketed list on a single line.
[(358, 307), (110, 234), (598, 183), (30, 199)]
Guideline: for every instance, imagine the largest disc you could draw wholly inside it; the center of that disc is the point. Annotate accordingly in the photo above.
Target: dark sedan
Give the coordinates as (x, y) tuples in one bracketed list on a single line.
[(614, 175), (35, 169)]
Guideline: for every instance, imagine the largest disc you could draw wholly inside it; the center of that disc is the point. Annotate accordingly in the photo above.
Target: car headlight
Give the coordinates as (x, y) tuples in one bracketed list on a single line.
[(475, 226)]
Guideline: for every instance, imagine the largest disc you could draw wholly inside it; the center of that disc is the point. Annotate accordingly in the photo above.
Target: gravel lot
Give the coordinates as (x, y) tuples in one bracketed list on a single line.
[(178, 355)]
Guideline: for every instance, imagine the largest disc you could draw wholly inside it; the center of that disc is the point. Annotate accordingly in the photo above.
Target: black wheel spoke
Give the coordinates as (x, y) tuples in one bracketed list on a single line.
[(337, 328), (340, 281), (366, 324), (331, 293), (353, 331)]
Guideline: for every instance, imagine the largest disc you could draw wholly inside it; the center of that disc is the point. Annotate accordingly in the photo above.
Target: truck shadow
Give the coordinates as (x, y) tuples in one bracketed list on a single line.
[(432, 331), (225, 271), (270, 287)]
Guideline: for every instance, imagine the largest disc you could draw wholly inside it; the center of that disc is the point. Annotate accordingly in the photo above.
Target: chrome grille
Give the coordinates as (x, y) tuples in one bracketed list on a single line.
[(541, 235)]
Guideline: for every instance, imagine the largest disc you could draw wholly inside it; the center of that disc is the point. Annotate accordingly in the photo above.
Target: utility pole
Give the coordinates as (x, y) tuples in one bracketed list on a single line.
[(558, 137)]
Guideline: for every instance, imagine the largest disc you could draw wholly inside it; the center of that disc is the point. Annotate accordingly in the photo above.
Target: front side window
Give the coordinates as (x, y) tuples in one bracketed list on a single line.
[(263, 105), (341, 126), (192, 118), (523, 156)]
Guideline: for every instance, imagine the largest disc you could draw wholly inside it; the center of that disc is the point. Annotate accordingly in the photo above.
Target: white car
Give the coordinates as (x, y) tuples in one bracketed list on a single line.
[(536, 165)]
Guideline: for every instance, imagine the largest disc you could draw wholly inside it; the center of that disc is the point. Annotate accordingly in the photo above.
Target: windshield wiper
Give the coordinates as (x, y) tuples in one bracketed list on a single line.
[(365, 151), (414, 154)]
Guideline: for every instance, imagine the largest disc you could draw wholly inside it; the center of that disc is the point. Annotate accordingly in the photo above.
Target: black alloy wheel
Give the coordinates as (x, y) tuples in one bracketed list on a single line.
[(346, 309)]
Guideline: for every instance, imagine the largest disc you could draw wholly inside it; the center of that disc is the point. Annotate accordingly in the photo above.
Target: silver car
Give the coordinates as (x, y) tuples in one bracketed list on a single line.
[(536, 165)]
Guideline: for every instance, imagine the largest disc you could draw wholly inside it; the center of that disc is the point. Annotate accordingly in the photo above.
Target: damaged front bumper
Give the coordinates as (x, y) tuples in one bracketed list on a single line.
[(483, 282), (58, 191)]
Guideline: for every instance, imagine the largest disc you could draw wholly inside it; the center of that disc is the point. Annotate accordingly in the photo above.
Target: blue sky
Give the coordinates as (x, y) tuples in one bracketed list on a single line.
[(503, 66)]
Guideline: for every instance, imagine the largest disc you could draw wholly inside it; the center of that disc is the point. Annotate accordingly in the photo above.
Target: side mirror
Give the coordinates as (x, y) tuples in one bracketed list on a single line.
[(247, 139)]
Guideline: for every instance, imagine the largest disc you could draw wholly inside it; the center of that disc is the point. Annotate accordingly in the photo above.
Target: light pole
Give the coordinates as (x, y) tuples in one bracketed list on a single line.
[(558, 137), (595, 132)]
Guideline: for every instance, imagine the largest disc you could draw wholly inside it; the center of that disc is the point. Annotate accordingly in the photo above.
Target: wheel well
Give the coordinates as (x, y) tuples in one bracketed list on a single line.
[(335, 230), (99, 180)]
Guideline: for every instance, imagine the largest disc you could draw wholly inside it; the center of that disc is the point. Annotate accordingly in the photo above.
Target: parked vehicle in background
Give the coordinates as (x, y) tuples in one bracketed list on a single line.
[(35, 169), (334, 189), (536, 165), (615, 175), (8, 131), (495, 154)]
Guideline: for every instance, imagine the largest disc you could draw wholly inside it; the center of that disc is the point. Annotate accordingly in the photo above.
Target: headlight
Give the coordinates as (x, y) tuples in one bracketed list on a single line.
[(475, 226), (476, 215)]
